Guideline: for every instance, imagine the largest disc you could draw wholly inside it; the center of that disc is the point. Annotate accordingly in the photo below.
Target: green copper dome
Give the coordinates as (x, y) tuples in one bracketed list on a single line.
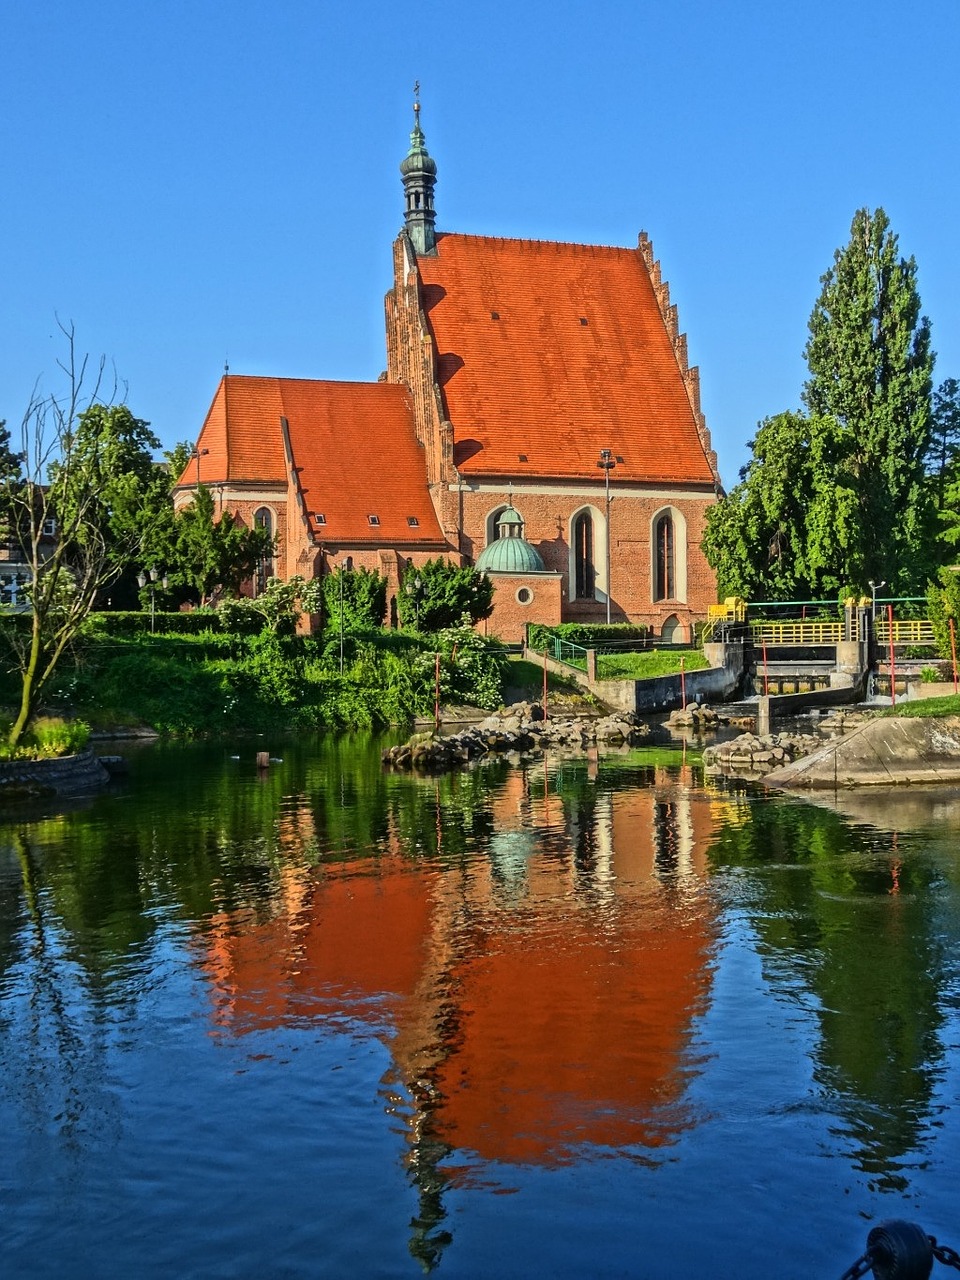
[(511, 552), (418, 159)]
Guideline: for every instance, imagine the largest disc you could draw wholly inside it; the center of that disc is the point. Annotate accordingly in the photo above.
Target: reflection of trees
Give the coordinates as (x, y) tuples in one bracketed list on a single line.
[(857, 931), (58, 1069)]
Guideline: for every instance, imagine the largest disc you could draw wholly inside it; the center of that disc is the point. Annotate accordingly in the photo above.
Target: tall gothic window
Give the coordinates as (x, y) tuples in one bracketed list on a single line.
[(263, 519), (586, 573), (664, 540)]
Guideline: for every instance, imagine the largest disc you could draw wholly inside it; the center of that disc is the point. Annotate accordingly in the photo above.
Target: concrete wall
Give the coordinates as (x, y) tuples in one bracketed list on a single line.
[(665, 693), (662, 693)]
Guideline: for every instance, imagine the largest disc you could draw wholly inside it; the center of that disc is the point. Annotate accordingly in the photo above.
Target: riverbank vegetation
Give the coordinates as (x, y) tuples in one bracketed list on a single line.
[(216, 681)]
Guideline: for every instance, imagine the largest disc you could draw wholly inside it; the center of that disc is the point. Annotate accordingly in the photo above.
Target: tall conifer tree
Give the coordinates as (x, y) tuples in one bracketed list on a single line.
[(870, 367)]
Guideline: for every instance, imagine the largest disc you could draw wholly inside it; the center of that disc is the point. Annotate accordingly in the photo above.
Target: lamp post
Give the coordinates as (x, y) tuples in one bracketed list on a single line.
[(142, 581), (874, 588), (413, 589), (606, 463), (346, 567)]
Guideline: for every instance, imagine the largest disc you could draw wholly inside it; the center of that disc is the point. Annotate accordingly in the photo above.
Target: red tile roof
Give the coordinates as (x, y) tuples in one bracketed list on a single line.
[(555, 351), (354, 449)]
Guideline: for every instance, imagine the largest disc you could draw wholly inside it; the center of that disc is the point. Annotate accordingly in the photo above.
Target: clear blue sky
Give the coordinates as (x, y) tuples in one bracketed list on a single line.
[(194, 182)]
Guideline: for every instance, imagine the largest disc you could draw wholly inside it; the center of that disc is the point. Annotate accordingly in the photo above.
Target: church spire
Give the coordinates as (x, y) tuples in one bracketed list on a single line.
[(419, 171)]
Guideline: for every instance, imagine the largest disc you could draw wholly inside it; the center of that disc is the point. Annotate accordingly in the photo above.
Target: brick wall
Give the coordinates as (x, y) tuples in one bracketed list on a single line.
[(547, 521), (520, 599)]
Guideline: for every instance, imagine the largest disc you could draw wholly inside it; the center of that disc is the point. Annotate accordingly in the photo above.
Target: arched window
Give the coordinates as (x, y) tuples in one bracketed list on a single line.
[(263, 519), (585, 573), (666, 558)]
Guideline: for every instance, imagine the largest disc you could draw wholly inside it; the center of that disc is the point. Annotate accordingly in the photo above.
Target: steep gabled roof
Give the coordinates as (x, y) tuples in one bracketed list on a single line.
[(354, 453), (548, 353)]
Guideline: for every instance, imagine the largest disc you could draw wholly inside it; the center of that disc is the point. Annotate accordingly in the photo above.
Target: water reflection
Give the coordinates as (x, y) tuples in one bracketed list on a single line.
[(537, 950), (853, 934), (536, 1000)]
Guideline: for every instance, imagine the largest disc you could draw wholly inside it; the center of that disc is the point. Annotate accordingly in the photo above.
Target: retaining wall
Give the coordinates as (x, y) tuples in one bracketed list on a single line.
[(66, 776)]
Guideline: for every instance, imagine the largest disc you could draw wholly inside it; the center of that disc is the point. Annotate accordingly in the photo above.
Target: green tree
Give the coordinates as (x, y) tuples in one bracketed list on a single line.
[(943, 609), (839, 495), (357, 596), (11, 477), (943, 452), (871, 367), (277, 609), (788, 529), (60, 488), (110, 467), (439, 594), (211, 555)]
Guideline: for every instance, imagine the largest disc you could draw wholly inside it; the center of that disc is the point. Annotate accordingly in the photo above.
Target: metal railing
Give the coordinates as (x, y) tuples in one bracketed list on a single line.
[(906, 631), (796, 633), (574, 655)]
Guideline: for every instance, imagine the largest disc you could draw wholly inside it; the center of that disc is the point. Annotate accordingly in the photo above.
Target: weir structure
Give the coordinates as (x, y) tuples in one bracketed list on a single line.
[(789, 663)]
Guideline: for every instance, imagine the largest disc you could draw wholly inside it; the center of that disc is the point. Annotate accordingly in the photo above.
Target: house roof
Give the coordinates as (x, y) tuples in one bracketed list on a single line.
[(354, 448), (548, 353)]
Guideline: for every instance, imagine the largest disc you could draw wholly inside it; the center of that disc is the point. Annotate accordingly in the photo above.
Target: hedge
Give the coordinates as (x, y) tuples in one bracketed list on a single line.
[(590, 635), (135, 623)]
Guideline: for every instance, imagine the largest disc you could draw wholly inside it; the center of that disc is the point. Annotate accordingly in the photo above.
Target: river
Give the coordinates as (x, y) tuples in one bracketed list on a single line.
[(593, 1017)]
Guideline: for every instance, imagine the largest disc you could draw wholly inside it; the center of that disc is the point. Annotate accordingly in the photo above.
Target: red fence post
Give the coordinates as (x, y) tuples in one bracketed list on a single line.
[(683, 685), (893, 670), (436, 696)]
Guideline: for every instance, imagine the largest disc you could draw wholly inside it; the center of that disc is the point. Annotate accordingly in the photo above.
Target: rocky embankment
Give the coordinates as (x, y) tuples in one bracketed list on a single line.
[(519, 729), (754, 755)]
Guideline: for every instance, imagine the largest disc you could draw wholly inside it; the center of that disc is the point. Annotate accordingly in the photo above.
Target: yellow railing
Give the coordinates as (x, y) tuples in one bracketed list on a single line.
[(787, 633), (905, 631), (733, 609)]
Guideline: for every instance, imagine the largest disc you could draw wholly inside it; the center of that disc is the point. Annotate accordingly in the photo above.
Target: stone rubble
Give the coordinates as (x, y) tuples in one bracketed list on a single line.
[(754, 755), (516, 730)]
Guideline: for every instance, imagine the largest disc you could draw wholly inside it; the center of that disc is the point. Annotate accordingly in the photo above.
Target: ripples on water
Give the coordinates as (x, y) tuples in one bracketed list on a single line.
[(587, 1018)]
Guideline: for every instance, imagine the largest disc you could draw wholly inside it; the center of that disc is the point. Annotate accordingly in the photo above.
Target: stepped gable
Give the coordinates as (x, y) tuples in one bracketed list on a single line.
[(349, 446), (554, 351)]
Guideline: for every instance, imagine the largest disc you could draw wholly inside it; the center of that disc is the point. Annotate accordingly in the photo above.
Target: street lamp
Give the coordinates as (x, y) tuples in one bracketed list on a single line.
[(874, 588), (142, 581), (606, 463), (346, 567), (413, 589)]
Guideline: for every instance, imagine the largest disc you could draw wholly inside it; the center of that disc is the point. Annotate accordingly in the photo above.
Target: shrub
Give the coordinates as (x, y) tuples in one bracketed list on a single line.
[(447, 593), (360, 593), (48, 737), (943, 603), (138, 624)]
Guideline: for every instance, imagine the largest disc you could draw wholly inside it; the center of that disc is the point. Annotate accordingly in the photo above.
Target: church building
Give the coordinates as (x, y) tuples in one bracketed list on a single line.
[(537, 418)]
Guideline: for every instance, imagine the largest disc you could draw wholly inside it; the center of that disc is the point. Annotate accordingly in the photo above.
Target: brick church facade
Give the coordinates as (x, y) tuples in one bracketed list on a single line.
[(547, 380)]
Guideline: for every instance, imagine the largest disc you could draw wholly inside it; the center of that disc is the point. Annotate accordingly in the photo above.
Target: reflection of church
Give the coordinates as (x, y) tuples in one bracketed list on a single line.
[(537, 1000), (545, 382)]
